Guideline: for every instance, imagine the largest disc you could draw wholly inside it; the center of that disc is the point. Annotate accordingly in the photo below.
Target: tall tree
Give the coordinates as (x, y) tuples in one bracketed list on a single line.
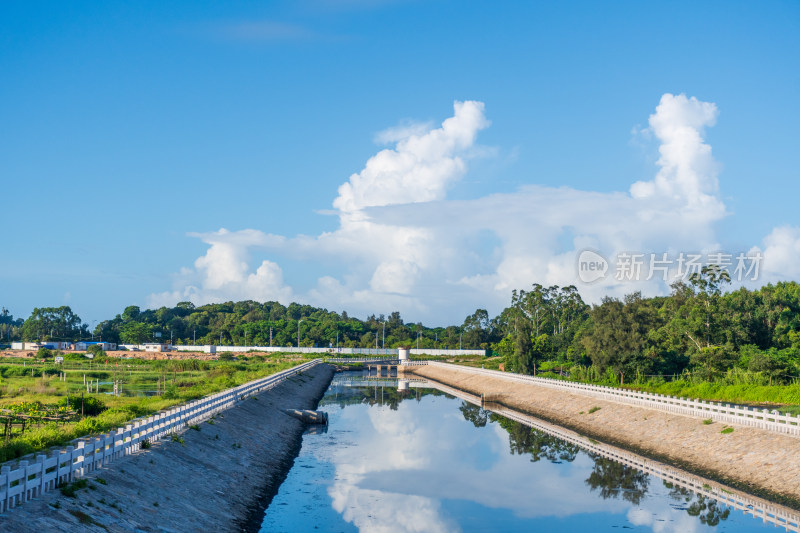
[(53, 323)]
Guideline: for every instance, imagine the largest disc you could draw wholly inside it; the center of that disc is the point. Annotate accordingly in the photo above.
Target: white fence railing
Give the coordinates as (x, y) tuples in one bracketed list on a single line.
[(322, 350), (455, 353), (379, 358), (26, 479), (767, 511), (720, 412)]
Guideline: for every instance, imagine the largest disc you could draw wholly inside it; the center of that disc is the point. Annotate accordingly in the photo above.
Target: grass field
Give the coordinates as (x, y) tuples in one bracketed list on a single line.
[(33, 394)]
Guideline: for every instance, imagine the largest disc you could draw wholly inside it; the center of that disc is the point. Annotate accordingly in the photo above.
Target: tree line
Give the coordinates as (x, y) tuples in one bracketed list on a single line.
[(250, 323), (699, 328)]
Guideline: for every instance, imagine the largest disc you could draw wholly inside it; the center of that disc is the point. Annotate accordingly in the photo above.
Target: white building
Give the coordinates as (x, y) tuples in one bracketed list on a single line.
[(52, 345), (84, 345), (155, 347)]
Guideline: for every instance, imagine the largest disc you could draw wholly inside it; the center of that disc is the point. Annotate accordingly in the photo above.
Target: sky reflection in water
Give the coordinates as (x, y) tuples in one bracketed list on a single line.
[(419, 465)]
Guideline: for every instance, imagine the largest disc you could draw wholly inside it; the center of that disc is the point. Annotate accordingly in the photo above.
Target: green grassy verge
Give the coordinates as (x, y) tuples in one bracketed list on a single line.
[(147, 387)]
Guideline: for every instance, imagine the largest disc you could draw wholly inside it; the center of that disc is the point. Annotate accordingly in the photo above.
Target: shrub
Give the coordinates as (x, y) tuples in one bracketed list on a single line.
[(44, 353), (145, 444), (96, 349), (594, 409), (88, 405), (170, 392)]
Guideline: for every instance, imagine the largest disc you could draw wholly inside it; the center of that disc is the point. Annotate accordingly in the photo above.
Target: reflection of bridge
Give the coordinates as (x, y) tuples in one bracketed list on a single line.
[(401, 384)]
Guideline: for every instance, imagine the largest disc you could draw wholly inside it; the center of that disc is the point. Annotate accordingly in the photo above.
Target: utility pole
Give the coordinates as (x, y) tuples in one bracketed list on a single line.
[(459, 340), (298, 332), (383, 342), (195, 337), (270, 336)]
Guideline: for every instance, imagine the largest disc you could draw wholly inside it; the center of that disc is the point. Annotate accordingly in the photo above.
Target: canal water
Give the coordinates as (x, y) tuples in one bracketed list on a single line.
[(423, 461)]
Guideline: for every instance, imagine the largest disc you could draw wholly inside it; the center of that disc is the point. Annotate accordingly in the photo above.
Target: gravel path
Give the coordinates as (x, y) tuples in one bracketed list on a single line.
[(751, 459), (220, 478)]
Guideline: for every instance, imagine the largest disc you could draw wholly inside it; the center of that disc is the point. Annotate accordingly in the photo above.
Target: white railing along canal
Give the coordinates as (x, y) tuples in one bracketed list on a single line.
[(720, 412)]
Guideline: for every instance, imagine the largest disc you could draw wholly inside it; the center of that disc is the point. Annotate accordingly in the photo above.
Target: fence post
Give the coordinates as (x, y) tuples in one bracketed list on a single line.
[(82, 452), (6, 471), (24, 481), (41, 459)]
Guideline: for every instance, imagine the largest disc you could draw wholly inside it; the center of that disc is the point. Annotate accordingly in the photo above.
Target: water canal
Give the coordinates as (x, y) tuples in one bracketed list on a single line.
[(422, 460)]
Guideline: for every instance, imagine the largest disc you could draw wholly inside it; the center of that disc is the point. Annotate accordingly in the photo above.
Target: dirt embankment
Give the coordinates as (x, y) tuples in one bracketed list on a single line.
[(219, 478), (751, 459)]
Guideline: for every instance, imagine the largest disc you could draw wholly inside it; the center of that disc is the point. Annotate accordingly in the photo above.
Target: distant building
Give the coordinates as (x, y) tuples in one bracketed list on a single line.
[(52, 345), (155, 347), (84, 345)]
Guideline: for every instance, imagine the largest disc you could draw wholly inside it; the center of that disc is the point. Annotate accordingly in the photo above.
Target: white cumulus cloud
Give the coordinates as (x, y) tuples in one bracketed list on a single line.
[(420, 168), (403, 245), (781, 254), (223, 273)]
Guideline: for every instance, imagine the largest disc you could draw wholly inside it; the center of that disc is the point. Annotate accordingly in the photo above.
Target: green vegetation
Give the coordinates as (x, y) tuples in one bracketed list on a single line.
[(249, 323), (727, 430), (38, 409), (740, 346), (594, 409), (82, 517), (699, 342), (70, 489)]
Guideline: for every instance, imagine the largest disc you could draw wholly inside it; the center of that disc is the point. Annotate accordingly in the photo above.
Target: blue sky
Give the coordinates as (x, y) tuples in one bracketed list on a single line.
[(133, 133)]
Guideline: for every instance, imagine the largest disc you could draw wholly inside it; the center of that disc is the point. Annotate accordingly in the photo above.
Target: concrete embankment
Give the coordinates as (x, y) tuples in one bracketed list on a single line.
[(218, 477), (751, 459)]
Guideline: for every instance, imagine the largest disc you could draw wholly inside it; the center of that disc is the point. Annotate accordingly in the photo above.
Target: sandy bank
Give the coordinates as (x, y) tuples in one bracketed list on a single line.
[(212, 481), (751, 459)]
